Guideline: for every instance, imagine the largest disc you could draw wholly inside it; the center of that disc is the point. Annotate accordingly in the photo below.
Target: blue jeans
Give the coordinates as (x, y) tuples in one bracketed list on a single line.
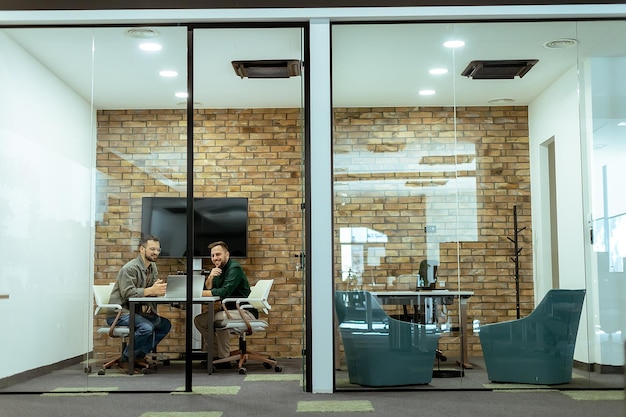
[(149, 331)]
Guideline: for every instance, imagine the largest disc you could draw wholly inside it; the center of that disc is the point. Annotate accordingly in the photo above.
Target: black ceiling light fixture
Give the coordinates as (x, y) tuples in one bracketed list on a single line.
[(269, 68), (499, 69)]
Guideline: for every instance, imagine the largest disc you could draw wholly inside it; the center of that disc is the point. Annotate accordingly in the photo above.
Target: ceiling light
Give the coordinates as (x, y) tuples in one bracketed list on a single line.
[(501, 100), (426, 92), (560, 43), (168, 73), (182, 94), (454, 44), (621, 124), (438, 71), (142, 33), (150, 46)]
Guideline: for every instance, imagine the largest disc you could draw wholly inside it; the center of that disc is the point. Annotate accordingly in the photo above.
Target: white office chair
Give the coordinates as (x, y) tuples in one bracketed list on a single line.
[(101, 295), (244, 326)]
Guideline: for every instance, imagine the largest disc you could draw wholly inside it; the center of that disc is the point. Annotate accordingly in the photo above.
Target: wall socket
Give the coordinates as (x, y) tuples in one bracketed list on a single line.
[(430, 229), (442, 283)]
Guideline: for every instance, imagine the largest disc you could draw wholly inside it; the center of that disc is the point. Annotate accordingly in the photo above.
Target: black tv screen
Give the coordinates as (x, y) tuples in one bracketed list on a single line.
[(214, 219)]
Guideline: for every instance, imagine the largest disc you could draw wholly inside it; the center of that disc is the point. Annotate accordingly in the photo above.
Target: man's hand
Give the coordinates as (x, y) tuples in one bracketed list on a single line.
[(157, 289)]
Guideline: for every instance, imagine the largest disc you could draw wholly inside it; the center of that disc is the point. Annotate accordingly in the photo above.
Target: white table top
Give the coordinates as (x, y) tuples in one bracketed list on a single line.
[(425, 293), (172, 299)]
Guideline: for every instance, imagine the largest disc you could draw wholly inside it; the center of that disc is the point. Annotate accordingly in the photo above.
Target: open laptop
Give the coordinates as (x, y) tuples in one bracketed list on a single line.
[(177, 286)]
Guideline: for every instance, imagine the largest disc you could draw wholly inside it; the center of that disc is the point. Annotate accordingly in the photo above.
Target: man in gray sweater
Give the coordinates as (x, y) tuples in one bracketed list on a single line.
[(138, 278)]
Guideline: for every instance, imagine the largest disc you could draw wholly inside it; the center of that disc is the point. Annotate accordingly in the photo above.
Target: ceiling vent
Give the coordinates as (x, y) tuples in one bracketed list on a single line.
[(283, 68), (498, 70)]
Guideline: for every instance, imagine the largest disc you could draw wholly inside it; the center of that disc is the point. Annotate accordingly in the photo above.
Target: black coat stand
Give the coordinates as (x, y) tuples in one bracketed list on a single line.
[(516, 252)]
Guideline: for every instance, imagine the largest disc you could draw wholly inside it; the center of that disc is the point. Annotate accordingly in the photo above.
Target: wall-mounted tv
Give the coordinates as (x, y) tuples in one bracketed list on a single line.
[(214, 219)]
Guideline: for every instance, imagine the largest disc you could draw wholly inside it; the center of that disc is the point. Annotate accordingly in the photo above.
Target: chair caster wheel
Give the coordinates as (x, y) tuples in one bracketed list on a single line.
[(166, 362), (278, 368), (146, 371), (102, 371), (242, 371), (267, 365), (87, 369)]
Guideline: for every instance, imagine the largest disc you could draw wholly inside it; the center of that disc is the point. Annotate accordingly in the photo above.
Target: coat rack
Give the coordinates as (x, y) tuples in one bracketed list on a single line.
[(516, 252)]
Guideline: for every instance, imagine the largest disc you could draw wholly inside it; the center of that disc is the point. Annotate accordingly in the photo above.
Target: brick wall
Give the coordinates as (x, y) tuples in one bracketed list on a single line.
[(258, 154), (238, 153)]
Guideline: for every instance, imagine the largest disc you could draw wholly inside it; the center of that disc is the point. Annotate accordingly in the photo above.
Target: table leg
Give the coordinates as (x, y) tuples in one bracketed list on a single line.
[(210, 348), (462, 329), (131, 338)]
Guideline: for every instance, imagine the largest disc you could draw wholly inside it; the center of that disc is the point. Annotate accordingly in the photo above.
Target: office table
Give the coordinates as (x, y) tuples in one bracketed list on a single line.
[(135, 301), (417, 298)]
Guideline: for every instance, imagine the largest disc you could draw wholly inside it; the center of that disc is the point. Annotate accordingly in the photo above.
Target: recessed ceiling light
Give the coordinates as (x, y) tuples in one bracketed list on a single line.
[(182, 94), (500, 100), (142, 33), (426, 92), (560, 43), (150, 46), (621, 124), (168, 73), (438, 71), (454, 44)]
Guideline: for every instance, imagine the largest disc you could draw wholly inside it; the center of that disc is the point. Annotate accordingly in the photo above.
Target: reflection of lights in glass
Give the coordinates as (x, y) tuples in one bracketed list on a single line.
[(454, 44), (426, 92), (167, 73), (621, 124), (182, 94), (150, 46), (438, 71)]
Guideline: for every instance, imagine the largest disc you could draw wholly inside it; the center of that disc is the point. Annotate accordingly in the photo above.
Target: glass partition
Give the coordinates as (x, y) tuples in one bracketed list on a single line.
[(441, 137), (248, 145), (110, 152), (47, 128), (141, 179), (601, 60)]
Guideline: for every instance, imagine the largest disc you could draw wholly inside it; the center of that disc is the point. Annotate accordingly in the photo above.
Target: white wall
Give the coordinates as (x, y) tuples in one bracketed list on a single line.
[(46, 158), (555, 114)]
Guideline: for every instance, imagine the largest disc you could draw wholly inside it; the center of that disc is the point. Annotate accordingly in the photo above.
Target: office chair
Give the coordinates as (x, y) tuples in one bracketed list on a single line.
[(244, 326), (101, 295)]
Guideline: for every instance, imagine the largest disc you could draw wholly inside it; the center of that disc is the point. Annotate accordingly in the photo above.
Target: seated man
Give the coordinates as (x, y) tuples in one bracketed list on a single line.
[(138, 278), (225, 280)]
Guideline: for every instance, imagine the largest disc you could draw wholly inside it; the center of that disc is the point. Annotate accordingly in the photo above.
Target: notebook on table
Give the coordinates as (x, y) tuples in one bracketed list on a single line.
[(177, 286)]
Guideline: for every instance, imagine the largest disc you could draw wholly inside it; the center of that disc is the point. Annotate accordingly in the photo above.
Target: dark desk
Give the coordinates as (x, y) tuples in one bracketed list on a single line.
[(417, 298), (135, 301)]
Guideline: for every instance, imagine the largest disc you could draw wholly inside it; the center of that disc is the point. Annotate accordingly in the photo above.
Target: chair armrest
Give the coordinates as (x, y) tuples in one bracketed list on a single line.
[(240, 308)]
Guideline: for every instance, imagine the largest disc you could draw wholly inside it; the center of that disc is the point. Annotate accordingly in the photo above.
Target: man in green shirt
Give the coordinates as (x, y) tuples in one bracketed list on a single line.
[(226, 280)]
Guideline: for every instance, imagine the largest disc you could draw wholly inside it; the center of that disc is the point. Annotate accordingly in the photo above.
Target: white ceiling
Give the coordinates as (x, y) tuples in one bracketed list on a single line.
[(373, 65)]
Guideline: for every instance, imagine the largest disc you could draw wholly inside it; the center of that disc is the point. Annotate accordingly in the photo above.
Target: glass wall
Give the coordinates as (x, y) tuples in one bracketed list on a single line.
[(97, 156), (442, 133)]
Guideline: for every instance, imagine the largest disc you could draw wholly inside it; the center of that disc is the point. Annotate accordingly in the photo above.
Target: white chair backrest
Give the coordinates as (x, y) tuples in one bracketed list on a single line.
[(259, 293), (101, 293)]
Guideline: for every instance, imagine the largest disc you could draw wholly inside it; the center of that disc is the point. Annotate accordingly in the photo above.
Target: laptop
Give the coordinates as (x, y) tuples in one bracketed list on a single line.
[(177, 286)]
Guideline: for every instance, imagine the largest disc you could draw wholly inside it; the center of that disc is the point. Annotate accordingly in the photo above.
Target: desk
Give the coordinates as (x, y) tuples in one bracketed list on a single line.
[(416, 298), (135, 301)]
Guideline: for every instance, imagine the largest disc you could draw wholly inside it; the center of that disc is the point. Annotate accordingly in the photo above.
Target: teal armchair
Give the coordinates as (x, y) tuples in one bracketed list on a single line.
[(539, 348), (382, 351)]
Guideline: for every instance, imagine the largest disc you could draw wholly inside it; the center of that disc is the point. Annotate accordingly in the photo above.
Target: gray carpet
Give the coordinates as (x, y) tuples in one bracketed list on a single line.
[(262, 392)]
